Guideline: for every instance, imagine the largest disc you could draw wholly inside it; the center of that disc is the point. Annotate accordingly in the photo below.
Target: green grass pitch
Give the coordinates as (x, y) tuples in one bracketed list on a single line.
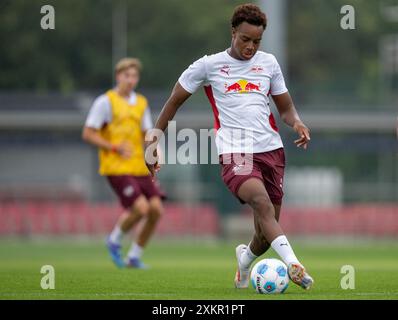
[(188, 270)]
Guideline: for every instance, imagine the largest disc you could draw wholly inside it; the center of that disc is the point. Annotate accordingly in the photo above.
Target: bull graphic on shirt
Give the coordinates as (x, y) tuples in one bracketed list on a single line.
[(242, 86)]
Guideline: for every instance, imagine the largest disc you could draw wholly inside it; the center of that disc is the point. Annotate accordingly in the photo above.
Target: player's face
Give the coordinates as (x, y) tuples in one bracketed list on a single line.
[(246, 40), (128, 79)]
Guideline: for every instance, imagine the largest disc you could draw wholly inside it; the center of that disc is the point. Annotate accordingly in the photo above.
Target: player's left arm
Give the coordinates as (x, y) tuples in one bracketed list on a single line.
[(289, 115)]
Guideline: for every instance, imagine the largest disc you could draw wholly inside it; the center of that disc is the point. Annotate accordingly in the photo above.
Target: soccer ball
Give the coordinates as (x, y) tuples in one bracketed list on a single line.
[(269, 276)]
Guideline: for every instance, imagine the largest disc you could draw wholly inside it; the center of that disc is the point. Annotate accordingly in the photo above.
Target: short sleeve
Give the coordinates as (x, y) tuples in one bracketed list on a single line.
[(195, 76), (278, 85), (146, 121), (100, 113)]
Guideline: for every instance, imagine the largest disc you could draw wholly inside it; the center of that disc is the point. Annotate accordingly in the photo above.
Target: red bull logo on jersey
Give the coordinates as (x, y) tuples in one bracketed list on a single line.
[(257, 69), (242, 86)]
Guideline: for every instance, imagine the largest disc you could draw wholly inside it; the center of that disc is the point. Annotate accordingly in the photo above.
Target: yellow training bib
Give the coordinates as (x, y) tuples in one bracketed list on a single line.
[(125, 127)]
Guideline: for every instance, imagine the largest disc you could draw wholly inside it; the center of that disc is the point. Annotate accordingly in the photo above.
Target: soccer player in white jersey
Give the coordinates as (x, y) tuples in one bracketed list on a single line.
[(238, 83)]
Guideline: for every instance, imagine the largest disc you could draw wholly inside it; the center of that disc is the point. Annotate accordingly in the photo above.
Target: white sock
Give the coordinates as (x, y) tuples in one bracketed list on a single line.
[(246, 258), (116, 235), (135, 251), (284, 250)]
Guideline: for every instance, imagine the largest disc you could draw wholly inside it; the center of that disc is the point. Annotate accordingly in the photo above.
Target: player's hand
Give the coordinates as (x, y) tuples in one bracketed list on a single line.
[(153, 168), (152, 160), (152, 150), (304, 134), (124, 150)]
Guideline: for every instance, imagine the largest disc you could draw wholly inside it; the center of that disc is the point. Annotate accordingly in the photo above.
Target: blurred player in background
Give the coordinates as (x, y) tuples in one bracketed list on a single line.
[(238, 82), (116, 124)]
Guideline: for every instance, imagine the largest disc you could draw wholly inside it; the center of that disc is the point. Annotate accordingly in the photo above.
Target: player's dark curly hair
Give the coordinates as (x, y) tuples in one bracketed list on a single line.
[(250, 13)]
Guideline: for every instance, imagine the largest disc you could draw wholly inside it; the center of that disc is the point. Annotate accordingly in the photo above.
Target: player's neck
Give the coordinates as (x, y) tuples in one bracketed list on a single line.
[(232, 53), (123, 93)]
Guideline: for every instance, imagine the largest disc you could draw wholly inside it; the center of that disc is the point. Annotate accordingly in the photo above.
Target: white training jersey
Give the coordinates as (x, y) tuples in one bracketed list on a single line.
[(238, 91), (101, 113)]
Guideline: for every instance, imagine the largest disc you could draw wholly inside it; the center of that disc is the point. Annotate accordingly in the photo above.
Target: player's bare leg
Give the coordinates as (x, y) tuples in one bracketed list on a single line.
[(259, 245), (155, 211), (154, 215), (247, 254), (254, 193), (128, 220), (124, 224)]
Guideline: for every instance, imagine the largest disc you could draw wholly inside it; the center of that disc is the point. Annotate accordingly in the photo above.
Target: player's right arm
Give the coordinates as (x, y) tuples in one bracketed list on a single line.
[(190, 80), (98, 116), (178, 96)]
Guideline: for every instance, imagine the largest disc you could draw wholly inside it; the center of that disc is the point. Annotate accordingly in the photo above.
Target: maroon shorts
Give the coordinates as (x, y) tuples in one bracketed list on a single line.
[(267, 166), (129, 188)]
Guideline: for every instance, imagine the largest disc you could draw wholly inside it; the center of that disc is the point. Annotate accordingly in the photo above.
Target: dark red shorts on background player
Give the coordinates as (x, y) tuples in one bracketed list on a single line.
[(129, 188), (269, 167)]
